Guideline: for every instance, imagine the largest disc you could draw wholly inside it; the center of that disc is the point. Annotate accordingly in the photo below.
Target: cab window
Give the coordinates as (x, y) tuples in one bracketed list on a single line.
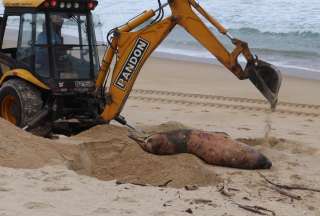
[(32, 44), (41, 46), (10, 39), (25, 52), (70, 45)]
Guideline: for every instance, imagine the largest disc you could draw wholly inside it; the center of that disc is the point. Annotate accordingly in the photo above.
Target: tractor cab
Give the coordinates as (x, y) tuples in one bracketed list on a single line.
[(48, 62), (53, 40)]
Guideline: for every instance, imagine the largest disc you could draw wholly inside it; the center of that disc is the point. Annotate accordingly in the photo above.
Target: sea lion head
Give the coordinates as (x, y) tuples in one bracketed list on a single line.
[(157, 144), (263, 162), (255, 160)]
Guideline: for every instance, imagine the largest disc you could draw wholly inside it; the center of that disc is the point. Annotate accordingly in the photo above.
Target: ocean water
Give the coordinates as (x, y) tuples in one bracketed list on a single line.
[(283, 32)]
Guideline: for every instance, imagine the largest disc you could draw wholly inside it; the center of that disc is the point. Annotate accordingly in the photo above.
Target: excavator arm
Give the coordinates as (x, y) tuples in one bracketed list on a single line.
[(130, 49)]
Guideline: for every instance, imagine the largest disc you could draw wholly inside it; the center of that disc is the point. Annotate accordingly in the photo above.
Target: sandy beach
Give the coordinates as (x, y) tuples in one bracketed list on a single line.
[(91, 173)]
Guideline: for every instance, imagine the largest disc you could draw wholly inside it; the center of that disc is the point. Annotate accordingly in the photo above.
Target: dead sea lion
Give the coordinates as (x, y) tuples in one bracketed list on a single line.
[(214, 148)]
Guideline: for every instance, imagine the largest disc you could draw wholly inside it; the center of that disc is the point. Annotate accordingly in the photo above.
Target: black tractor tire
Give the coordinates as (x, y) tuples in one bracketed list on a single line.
[(20, 101)]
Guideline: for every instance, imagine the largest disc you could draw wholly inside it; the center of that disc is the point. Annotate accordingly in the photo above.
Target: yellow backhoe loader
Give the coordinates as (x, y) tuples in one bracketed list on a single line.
[(50, 71)]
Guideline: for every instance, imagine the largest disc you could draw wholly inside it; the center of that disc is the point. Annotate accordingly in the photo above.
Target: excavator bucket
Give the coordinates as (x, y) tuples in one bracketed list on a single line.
[(267, 80)]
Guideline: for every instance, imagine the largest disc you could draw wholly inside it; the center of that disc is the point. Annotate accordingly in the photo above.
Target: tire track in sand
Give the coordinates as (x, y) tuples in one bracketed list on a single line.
[(235, 103)]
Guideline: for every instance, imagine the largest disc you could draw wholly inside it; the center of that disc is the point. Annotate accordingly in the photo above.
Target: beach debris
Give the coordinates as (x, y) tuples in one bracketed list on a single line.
[(214, 148), (167, 203), (202, 201), (166, 183), (283, 189), (118, 182), (256, 209), (4, 189), (286, 193), (56, 189), (189, 210), (225, 190), (288, 187), (191, 187), (246, 198)]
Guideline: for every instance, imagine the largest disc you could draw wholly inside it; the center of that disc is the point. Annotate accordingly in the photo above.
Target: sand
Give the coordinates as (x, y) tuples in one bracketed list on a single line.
[(105, 152), (108, 153), (61, 184), (19, 149)]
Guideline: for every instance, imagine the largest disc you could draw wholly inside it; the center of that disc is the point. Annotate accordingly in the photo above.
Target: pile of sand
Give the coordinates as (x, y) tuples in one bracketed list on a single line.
[(19, 149), (108, 153), (104, 152)]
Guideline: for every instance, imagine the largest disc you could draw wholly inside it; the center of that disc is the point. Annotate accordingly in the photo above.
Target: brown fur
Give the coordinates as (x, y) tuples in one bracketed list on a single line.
[(214, 148)]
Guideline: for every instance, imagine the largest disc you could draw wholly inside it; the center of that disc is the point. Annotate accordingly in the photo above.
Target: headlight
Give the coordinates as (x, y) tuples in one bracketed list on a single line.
[(62, 5), (69, 5)]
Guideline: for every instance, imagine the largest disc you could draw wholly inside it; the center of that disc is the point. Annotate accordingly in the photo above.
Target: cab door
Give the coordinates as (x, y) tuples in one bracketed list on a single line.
[(32, 48), (10, 25)]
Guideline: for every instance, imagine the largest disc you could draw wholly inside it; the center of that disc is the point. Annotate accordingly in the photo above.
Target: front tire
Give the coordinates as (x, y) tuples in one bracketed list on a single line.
[(20, 102)]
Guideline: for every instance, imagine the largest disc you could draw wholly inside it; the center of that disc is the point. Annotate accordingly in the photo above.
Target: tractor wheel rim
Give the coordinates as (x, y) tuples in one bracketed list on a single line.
[(8, 108)]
